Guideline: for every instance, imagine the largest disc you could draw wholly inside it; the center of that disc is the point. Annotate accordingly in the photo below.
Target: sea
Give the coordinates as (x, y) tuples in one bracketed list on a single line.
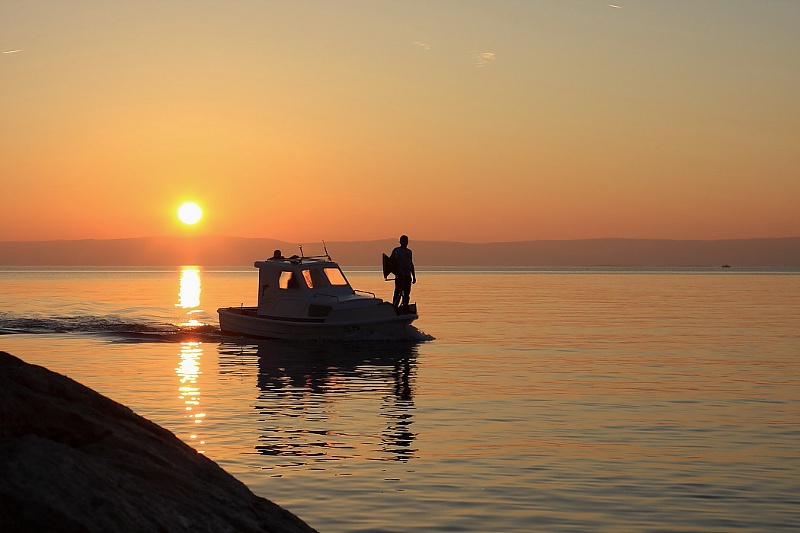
[(528, 399)]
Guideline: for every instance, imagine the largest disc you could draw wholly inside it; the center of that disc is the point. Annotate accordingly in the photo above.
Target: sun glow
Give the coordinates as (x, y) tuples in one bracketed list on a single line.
[(190, 213)]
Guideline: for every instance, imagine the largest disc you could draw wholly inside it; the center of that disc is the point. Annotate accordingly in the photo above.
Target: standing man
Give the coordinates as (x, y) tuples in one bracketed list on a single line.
[(404, 274)]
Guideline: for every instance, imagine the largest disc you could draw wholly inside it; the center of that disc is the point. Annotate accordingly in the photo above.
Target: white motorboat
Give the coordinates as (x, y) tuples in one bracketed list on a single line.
[(310, 298)]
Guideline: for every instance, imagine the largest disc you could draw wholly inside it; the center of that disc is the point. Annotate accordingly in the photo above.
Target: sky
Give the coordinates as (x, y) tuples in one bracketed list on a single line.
[(472, 121)]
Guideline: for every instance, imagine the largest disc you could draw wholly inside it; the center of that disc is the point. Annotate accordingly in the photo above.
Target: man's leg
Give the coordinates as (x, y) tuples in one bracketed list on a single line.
[(398, 291), (406, 292)]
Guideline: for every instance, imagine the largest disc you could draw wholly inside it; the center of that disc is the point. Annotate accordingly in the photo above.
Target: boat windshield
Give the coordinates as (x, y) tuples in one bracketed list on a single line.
[(335, 276)]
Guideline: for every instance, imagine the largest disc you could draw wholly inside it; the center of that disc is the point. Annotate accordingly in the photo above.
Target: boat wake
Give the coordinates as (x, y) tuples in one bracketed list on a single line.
[(146, 329), (122, 329)]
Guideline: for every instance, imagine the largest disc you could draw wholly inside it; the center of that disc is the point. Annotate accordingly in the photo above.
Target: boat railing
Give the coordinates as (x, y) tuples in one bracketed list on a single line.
[(301, 260), (366, 292), (372, 294), (327, 256)]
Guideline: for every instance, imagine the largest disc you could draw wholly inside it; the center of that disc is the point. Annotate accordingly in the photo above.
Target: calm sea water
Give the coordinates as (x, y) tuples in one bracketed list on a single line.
[(550, 400)]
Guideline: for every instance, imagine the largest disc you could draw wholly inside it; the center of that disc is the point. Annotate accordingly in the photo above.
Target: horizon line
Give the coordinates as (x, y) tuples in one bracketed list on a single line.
[(578, 239)]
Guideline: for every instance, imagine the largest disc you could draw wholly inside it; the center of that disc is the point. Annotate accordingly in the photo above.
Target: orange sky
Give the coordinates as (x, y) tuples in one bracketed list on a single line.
[(355, 120)]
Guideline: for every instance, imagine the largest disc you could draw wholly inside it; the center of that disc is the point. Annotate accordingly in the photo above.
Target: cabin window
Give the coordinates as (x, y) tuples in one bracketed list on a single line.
[(309, 281), (288, 281), (335, 276)]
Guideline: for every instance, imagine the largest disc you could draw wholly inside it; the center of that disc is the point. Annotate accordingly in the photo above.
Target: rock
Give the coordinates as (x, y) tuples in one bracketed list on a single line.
[(73, 460)]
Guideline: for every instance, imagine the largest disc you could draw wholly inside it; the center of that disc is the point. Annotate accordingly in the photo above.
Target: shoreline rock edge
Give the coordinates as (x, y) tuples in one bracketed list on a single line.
[(72, 459)]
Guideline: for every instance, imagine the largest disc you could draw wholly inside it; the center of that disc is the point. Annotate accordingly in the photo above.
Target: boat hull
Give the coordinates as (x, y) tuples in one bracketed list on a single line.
[(384, 324)]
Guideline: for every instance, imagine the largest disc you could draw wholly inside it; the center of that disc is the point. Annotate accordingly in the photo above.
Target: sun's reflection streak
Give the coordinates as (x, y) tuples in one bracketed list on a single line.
[(188, 370), (189, 296)]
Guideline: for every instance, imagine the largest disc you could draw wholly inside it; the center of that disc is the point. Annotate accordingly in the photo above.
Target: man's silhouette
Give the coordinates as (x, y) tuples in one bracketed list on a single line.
[(404, 274)]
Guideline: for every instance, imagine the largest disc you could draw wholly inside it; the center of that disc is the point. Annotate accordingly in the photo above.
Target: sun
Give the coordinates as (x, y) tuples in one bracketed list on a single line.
[(190, 213)]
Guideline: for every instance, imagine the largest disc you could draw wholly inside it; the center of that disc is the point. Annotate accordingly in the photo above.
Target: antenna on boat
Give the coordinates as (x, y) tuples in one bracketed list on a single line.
[(301, 252), (325, 247)]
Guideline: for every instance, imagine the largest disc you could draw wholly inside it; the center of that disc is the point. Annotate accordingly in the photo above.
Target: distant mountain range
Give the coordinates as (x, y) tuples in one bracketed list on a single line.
[(218, 251)]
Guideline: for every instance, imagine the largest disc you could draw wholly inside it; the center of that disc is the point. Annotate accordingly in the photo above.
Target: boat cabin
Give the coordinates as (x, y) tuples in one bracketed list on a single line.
[(301, 287)]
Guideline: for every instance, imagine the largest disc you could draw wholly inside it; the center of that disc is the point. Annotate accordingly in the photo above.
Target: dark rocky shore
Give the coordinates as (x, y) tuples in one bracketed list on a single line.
[(73, 460)]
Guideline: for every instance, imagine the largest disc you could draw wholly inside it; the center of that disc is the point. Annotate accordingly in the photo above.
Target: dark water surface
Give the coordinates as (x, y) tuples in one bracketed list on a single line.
[(550, 400)]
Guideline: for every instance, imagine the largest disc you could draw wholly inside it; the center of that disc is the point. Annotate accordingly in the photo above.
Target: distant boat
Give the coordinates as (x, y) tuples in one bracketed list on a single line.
[(726, 266), (310, 298)]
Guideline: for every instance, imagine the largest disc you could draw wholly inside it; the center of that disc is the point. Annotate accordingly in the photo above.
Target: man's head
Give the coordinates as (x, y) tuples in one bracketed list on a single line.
[(404, 240)]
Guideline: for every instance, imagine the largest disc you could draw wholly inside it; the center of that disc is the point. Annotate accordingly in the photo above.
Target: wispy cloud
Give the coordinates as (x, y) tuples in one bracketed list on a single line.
[(483, 58), (11, 51), (424, 46)]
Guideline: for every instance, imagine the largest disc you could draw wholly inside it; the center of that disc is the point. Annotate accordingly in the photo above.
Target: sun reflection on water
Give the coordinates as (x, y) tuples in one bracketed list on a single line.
[(189, 296), (188, 371)]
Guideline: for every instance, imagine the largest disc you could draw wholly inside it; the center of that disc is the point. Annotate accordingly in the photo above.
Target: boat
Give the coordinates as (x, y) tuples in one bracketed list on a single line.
[(310, 298)]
